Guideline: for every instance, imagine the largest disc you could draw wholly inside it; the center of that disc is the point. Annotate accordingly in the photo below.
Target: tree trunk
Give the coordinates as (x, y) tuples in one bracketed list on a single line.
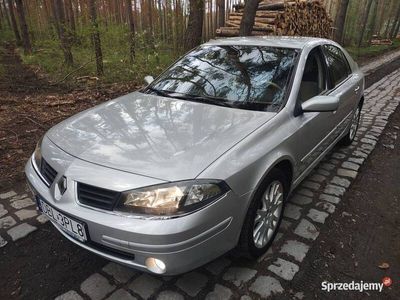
[(132, 31), (194, 28), (96, 37), (26, 42), (221, 13), (393, 32), (14, 24), (340, 20), (71, 19), (364, 23), (65, 40), (6, 13), (249, 14)]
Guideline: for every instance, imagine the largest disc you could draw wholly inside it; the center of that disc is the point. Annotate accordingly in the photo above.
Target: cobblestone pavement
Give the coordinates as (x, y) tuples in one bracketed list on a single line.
[(309, 207), (384, 59)]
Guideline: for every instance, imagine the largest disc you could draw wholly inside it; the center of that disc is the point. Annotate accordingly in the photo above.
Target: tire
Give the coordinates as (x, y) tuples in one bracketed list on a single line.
[(349, 137), (249, 246)]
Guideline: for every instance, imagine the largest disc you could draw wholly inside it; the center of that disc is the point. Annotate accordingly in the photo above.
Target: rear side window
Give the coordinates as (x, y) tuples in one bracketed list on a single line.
[(338, 65)]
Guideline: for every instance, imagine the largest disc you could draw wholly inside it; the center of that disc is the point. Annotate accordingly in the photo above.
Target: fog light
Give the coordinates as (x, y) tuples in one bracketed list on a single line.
[(155, 265)]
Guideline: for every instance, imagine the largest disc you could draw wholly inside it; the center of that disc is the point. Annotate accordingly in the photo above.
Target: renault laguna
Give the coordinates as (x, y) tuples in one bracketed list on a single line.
[(201, 160)]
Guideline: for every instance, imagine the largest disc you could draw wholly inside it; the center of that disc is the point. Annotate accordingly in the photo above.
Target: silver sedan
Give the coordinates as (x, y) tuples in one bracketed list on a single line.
[(201, 160)]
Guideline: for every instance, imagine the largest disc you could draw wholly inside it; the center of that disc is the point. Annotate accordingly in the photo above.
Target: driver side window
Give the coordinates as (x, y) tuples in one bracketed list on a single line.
[(314, 81)]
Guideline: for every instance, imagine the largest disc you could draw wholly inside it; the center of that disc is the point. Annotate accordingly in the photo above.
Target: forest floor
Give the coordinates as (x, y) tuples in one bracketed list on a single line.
[(45, 264), (30, 105)]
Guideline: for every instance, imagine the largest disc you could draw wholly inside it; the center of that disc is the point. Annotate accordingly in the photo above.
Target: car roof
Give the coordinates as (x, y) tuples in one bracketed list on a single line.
[(294, 42)]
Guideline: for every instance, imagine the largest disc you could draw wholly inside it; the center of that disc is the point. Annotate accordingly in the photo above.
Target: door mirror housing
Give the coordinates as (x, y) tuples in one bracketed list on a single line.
[(321, 104), (148, 79)]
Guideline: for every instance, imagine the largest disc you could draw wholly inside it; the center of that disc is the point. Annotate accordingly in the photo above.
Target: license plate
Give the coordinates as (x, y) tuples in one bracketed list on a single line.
[(70, 226)]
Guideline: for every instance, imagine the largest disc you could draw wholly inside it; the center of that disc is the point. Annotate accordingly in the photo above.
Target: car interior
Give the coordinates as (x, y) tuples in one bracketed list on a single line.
[(313, 81)]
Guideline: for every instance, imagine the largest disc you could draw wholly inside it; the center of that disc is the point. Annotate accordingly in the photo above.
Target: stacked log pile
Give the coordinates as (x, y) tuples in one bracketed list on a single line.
[(277, 17)]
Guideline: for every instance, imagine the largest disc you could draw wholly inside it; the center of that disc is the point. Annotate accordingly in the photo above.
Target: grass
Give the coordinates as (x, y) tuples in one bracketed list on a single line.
[(48, 56), (362, 53)]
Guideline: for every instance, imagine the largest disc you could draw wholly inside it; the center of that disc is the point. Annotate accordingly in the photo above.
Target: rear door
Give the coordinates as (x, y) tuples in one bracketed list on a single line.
[(341, 84)]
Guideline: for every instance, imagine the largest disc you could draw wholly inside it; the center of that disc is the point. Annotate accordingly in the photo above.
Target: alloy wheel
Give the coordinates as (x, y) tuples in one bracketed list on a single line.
[(268, 215), (354, 124)]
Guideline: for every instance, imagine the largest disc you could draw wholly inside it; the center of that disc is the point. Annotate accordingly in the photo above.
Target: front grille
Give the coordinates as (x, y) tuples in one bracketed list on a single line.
[(48, 173), (97, 197)]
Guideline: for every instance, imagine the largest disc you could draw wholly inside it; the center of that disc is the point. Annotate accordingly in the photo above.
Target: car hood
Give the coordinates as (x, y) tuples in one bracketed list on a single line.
[(154, 136)]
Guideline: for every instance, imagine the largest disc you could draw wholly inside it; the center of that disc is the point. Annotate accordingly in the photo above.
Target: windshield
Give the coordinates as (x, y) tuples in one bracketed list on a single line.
[(252, 77)]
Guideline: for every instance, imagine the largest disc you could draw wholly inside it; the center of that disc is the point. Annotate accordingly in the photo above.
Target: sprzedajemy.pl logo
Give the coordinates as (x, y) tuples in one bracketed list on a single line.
[(360, 286)]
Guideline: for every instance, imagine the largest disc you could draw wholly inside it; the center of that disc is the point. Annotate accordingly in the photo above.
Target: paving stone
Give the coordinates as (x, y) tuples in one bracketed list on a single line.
[(7, 222), (18, 204), (42, 219), (24, 214), (311, 185), (317, 216), (292, 211), (218, 265), (296, 249), (305, 192), (19, 197), (145, 285), (220, 292), (96, 286), (326, 206), (245, 297), (20, 231), (317, 178), (7, 195), (329, 198), (265, 286), (118, 272), (300, 199), (238, 276), (340, 181), (368, 141), (284, 269), (3, 211), (306, 230), (334, 190), (285, 224), (322, 172), (192, 283), (121, 294), (338, 155), (347, 173), (170, 295), (3, 242), (350, 165), (70, 295), (328, 166), (360, 154)]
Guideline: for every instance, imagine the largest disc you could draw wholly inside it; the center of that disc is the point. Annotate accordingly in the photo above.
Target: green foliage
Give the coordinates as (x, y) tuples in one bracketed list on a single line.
[(115, 47), (371, 51)]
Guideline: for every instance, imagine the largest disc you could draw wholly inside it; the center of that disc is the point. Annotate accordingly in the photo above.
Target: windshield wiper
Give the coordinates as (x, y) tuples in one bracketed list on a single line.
[(207, 99), (159, 92)]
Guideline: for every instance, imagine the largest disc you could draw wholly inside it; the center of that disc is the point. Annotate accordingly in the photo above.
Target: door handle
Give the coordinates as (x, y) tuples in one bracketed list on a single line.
[(357, 88)]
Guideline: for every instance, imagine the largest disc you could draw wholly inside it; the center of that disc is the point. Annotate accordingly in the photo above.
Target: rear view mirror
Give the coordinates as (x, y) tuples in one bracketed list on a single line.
[(321, 103), (148, 79)]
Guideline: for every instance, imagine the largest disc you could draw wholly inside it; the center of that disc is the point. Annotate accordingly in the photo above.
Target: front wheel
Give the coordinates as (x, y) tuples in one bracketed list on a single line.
[(264, 215), (349, 137)]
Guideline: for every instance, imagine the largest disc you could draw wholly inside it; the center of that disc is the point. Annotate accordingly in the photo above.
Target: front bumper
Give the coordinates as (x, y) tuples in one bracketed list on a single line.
[(182, 243)]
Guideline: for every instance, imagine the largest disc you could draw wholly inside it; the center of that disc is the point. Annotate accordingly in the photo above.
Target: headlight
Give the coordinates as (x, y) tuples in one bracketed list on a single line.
[(172, 198), (37, 155)]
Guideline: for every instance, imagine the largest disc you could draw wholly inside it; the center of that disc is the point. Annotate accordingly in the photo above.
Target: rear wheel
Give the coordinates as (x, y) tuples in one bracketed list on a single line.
[(349, 137), (264, 215)]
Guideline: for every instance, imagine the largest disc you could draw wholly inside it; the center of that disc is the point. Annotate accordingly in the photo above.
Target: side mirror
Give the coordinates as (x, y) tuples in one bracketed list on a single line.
[(148, 79), (321, 103)]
